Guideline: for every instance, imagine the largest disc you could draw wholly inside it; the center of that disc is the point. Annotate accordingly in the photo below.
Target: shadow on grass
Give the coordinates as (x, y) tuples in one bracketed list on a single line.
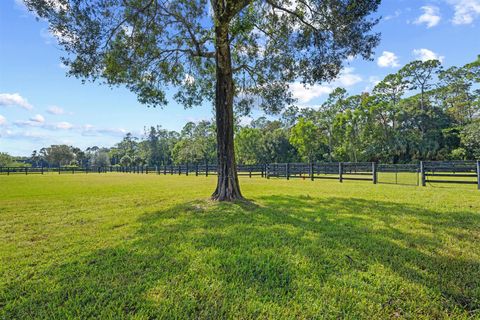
[(285, 257)]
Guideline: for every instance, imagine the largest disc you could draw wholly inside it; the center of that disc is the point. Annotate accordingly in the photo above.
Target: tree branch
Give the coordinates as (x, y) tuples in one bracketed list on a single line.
[(296, 15)]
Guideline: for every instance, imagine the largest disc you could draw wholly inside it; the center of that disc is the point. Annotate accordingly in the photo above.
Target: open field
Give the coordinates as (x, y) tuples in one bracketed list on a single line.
[(148, 246)]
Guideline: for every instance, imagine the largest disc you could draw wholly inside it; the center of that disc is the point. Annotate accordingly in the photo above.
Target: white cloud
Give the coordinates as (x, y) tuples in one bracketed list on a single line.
[(90, 130), (306, 94), (466, 11), (431, 16), (14, 99), (425, 55), (372, 82), (26, 135), (388, 59), (396, 14), (28, 123), (55, 110), (347, 78), (3, 120), (38, 118), (63, 125)]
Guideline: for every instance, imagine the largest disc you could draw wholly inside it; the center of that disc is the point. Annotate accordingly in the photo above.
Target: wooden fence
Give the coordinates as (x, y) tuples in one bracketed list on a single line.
[(428, 172), (456, 172)]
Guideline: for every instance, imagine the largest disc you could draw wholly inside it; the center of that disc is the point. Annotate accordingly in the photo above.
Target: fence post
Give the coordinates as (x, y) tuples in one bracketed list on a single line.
[(422, 174), (478, 174), (311, 171), (206, 169), (374, 172), (287, 171), (250, 172), (26, 171), (8, 171), (58, 169), (186, 170), (196, 170), (340, 171), (42, 169)]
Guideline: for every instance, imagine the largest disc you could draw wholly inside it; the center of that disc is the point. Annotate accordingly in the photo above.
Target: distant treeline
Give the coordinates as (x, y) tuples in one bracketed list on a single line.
[(422, 112)]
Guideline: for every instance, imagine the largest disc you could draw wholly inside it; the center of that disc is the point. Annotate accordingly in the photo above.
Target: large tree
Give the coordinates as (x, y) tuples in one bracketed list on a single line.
[(241, 52)]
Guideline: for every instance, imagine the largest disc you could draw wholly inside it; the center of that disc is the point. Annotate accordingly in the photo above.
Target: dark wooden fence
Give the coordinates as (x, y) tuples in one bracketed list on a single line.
[(452, 172), (428, 172)]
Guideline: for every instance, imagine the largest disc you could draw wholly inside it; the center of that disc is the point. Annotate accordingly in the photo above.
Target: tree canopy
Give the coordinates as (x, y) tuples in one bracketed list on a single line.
[(148, 45), (230, 52)]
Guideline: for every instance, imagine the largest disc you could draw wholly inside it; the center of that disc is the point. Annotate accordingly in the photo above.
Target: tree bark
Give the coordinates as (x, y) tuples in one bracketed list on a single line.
[(228, 188)]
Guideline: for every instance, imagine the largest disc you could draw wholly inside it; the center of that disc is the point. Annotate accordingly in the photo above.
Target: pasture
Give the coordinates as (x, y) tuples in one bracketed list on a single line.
[(119, 245)]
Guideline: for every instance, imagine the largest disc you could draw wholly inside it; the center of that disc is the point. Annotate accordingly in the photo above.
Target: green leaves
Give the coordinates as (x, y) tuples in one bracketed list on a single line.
[(307, 139), (149, 45)]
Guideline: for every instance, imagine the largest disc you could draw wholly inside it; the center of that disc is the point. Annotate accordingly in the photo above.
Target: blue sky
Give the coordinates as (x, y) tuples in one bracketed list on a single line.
[(40, 106)]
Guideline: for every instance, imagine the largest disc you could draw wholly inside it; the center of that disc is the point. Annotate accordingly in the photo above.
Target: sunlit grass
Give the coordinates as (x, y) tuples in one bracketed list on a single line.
[(148, 246)]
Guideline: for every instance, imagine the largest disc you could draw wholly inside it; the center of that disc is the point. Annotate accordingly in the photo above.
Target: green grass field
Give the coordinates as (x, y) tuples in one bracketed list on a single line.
[(145, 246)]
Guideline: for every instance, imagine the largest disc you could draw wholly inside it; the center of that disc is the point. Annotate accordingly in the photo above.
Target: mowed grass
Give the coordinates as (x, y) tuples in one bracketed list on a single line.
[(145, 246)]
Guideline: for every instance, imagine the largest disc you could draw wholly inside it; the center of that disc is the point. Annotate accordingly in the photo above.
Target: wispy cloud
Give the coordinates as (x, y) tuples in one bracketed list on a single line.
[(388, 59), (30, 135), (63, 125), (55, 110), (39, 122), (431, 16), (3, 120), (347, 78), (90, 130), (27, 123), (305, 94), (372, 82), (466, 11), (425, 55), (38, 118), (395, 15), (14, 99)]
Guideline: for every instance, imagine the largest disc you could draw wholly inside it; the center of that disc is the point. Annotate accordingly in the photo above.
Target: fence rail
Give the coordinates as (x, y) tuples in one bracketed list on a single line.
[(458, 172), (431, 172)]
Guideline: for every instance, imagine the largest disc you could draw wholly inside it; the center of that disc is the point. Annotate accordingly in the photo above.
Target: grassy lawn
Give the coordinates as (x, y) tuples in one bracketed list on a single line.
[(146, 246)]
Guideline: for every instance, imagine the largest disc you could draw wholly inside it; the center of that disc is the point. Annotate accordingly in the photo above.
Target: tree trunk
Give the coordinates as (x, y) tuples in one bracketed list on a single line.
[(228, 188)]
